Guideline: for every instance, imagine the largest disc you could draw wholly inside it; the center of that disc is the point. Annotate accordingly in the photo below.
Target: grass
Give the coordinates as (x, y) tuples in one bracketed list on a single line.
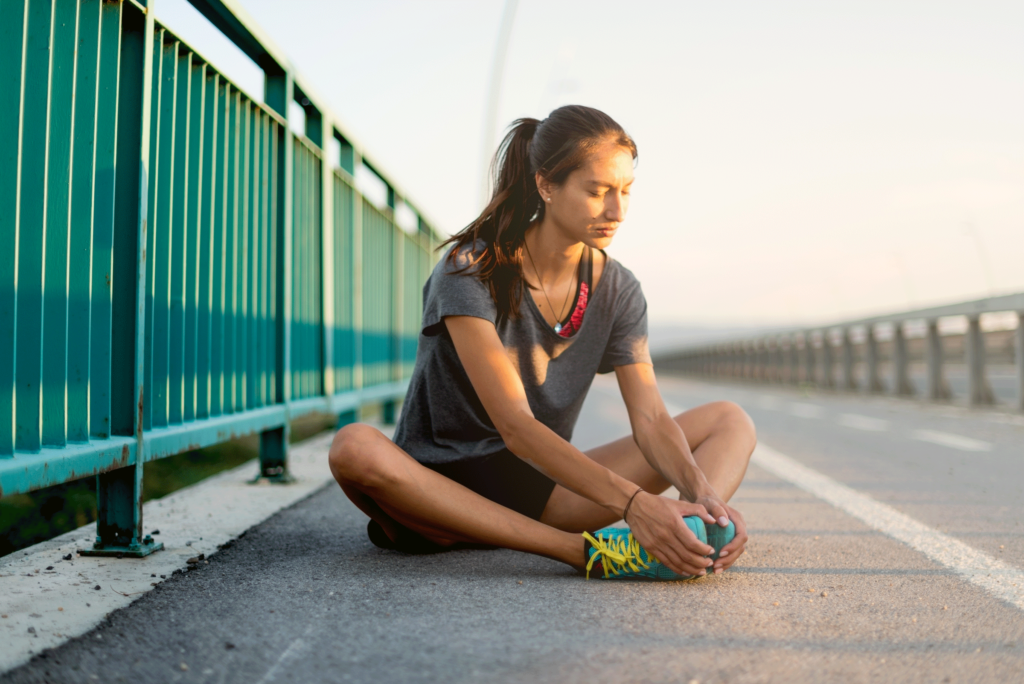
[(27, 519)]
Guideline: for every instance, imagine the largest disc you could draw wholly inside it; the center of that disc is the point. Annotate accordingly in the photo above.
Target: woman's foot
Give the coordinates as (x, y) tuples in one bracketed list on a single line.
[(614, 553)]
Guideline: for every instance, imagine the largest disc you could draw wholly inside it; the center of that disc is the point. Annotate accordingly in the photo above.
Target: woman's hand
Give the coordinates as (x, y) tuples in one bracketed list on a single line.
[(735, 548), (723, 514), (657, 523), (714, 505)]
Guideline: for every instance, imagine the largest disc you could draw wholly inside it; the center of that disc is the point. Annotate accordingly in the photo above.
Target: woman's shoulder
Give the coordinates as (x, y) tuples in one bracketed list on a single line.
[(460, 258), (616, 276)]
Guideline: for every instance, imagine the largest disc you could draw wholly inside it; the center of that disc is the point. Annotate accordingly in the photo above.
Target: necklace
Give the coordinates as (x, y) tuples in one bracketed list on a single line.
[(561, 311)]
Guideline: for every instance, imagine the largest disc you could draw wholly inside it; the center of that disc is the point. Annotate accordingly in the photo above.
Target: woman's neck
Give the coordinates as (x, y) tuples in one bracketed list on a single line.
[(552, 253)]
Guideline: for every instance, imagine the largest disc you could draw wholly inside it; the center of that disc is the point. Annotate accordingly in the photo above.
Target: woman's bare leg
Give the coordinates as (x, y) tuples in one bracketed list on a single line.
[(390, 486), (721, 436)]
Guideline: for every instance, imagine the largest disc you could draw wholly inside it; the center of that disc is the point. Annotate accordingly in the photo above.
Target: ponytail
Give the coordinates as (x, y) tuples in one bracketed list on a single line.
[(554, 147)]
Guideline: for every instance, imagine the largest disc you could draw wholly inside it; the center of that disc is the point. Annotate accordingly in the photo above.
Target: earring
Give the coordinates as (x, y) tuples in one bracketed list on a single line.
[(547, 199)]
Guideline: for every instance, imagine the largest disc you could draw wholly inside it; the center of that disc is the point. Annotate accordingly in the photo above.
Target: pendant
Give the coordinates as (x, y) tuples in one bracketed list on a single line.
[(558, 327)]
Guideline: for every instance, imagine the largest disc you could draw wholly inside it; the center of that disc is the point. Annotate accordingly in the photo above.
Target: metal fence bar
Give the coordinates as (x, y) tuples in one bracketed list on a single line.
[(979, 392), (792, 347), (176, 267), (900, 363), (12, 52), (119, 491), (80, 242)]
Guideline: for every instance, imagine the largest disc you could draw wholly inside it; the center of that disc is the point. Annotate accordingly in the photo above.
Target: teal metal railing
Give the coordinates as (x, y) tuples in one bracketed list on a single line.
[(177, 267)]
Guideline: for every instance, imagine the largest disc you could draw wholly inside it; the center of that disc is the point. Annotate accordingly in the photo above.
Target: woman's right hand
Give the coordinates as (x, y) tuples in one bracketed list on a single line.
[(657, 523)]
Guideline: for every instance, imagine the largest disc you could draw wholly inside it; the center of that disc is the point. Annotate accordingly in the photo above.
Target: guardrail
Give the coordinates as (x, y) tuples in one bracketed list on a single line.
[(858, 350), (177, 267)]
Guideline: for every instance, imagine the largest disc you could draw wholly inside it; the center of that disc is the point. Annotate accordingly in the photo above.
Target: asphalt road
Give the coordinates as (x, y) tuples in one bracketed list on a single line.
[(820, 596)]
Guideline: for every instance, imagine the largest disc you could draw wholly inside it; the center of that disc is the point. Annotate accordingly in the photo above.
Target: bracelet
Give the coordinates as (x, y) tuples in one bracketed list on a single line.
[(630, 502)]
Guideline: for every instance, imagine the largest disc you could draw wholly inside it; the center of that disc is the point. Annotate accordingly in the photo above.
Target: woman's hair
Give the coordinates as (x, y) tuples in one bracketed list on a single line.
[(555, 147)]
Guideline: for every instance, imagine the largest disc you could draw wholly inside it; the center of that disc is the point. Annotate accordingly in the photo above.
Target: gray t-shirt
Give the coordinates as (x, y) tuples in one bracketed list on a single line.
[(443, 419)]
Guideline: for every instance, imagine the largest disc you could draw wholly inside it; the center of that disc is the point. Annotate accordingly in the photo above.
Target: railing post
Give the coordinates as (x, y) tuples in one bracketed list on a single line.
[(849, 381), (1019, 359), (780, 360), (763, 360), (938, 388), (828, 379), (389, 407), (119, 492), (327, 267), (979, 392), (357, 276), (809, 364), (794, 360), (874, 381), (279, 86), (900, 363)]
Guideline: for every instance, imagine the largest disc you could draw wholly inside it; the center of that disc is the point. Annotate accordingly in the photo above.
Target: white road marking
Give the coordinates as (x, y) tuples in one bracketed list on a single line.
[(859, 422), (294, 650), (950, 440), (999, 579), (769, 402), (806, 410)]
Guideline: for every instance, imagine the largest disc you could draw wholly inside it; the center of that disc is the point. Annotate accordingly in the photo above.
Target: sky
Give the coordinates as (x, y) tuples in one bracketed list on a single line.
[(799, 162)]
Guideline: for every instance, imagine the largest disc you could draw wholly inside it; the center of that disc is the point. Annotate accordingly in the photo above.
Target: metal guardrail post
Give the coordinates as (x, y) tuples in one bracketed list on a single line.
[(874, 381), (780, 360), (938, 388), (901, 383), (1018, 359), (828, 376), (327, 266), (794, 360), (349, 161), (979, 392), (389, 408), (119, 492), (810, 367), (789, 356), (849, 381), (764, 360), (278, 87)]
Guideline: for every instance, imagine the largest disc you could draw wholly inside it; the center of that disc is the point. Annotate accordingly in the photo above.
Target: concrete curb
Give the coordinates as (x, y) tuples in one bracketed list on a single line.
[(46, 600)]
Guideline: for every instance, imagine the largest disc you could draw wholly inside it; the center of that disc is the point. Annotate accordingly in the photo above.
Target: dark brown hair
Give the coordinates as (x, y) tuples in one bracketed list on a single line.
[(555, 147)]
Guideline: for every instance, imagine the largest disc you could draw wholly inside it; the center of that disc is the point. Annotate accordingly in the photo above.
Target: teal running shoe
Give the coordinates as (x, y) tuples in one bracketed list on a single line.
[(618, 555), (718, 536)]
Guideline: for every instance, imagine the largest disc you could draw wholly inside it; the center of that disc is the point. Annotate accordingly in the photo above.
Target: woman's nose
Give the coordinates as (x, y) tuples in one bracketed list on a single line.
[(615, 209)]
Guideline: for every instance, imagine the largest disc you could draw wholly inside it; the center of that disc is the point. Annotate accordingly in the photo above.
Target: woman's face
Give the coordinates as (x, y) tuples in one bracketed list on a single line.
[(592, 202)]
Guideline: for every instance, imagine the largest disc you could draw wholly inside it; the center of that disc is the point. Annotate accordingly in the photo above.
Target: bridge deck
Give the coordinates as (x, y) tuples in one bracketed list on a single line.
[(821, 595)]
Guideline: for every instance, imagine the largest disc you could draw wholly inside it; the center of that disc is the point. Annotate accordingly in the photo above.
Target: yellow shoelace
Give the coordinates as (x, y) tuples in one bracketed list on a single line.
[(617, 554)]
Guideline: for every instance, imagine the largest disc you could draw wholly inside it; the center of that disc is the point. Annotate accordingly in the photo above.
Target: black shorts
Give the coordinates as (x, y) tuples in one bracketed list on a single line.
[(504, 478)]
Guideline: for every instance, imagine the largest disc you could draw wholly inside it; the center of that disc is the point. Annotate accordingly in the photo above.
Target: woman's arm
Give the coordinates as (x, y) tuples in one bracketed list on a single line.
[(504, 398), (664, 445), (659, 436)]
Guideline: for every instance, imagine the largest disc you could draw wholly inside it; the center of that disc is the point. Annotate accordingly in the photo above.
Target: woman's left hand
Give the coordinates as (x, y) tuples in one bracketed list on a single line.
[(719, 511), (735, 548)]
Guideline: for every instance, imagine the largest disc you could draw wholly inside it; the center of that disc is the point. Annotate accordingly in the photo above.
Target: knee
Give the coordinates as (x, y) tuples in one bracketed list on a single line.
[(354, 456), (731, 417)]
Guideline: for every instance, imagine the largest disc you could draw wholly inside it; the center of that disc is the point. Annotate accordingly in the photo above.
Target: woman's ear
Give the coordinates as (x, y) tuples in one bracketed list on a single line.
[(544, 187)]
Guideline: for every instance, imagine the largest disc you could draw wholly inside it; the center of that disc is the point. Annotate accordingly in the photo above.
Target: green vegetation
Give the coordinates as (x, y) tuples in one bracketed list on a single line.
[(27, 519)]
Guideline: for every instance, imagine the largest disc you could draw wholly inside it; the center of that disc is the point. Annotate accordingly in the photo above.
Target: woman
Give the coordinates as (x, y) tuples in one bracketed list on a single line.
[(518, 318)]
